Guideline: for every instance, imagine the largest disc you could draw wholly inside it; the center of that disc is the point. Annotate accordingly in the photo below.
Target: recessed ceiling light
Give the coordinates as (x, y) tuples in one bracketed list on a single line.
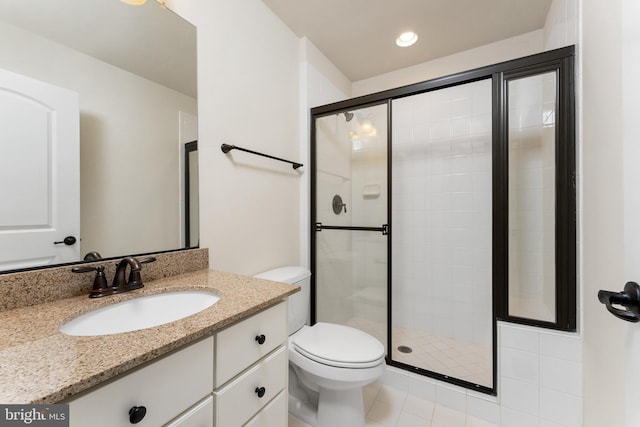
[(134, 2), (406, 39)]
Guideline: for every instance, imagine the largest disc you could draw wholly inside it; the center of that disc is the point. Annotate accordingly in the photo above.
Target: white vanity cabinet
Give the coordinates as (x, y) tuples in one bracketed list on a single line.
[(236, 377), (251, 367), (201, 415), (165, 388)]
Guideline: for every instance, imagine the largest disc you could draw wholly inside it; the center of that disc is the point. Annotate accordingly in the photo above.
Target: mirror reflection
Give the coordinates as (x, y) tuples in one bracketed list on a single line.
[(132, 70)]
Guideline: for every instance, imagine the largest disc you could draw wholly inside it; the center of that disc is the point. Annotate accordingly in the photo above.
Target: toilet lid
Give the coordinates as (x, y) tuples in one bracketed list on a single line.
[(339, 345)]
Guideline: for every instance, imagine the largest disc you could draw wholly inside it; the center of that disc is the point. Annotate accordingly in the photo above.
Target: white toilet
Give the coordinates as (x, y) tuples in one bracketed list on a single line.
[(328, 363)]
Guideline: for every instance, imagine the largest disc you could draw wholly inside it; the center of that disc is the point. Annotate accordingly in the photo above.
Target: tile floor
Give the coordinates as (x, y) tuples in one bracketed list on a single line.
[(386, 406)]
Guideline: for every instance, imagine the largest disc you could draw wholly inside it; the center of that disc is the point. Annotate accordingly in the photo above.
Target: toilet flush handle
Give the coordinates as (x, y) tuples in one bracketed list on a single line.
[(261, 339)]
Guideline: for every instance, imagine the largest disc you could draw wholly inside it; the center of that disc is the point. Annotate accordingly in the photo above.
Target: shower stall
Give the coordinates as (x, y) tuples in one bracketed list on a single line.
[(410, 238)]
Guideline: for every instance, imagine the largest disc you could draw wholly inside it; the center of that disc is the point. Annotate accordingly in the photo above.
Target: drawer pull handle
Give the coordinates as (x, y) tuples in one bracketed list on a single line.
[(136, 414), (261, 339), (260, 391)]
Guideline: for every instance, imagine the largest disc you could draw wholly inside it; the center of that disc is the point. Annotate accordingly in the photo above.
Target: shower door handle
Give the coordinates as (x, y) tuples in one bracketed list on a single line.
[(384, 229), (628, 298)]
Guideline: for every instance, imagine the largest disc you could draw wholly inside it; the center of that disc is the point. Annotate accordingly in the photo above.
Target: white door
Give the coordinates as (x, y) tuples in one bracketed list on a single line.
[(39, 173), (631, 147)]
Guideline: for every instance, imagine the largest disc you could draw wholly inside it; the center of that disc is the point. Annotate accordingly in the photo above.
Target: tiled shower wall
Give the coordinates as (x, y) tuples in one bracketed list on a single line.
[(539, 382), (441, 210)]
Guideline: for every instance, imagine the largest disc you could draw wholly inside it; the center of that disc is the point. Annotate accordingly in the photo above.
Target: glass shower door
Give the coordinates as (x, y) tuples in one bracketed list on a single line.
[(442, 313), (350, 238)]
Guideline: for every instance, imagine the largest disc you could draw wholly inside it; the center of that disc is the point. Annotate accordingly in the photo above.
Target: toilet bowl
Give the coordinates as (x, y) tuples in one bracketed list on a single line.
[(328, 363)]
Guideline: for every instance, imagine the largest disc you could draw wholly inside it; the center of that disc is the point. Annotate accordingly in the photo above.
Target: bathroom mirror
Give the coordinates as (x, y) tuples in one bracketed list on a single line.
[(134, 71)]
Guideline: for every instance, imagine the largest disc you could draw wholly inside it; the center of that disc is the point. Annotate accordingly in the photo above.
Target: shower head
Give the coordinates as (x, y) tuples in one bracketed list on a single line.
[(348, 115)]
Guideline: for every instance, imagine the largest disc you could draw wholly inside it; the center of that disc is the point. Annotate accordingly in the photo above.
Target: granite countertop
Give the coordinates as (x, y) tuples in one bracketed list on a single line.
[(39, 364)]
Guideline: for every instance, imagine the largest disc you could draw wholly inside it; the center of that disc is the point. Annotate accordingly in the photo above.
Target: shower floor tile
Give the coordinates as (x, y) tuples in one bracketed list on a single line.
[(467, 361)]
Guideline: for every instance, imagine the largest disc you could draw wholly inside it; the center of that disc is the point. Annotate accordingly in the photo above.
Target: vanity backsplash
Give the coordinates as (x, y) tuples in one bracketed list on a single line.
[(22, 289)]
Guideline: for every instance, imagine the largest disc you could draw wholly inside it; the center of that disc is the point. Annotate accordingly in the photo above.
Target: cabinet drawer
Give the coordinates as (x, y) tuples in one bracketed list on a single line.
[(238, 401), (238, 346), (165, 388), (273, 415), (201, 415)]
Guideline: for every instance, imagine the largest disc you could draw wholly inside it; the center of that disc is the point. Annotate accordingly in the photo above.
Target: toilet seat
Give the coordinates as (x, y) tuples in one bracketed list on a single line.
[(339, 346)]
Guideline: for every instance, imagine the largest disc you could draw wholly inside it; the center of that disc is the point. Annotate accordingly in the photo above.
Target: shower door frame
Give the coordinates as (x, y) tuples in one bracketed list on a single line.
[(567, 298)]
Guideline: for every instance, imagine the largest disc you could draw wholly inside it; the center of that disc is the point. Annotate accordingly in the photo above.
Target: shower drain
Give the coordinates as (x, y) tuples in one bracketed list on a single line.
[(404, 349)]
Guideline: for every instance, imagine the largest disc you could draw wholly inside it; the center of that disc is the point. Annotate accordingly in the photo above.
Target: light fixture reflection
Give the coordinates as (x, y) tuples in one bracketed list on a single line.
[(406, 39), (134, 2)]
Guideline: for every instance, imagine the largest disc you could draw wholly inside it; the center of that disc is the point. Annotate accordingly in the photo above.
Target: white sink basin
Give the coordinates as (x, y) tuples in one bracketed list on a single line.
[(140, 313)]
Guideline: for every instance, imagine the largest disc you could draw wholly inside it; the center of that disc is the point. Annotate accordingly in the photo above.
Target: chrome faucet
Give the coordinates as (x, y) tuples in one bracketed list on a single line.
[(135, 279)]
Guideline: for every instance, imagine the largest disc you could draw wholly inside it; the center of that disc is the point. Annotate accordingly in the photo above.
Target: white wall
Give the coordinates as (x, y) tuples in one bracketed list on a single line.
[(631, 135), (321, 83), (248, 95), (601, 210), (114, 153), (504, 50), (561, 25)]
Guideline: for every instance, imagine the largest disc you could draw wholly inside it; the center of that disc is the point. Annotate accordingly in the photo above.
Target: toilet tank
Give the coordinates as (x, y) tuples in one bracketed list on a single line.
[(298, 302)]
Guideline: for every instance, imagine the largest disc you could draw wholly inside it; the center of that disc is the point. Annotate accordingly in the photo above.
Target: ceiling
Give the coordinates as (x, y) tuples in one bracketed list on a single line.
[(150, 41), (358, 36)]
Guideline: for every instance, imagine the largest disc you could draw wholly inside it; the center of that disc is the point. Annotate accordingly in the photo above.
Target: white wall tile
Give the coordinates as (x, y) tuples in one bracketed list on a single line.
[(514, 418), (520, 395), (519, 365), (561, 375), (422, 387), (562, 408), (396, 378), (483, 409), (547, 423), (562, 346), (451, 398), (512, 336)]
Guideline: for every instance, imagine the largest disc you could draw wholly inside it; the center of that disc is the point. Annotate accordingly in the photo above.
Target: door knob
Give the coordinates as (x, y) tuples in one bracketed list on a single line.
[(69, 240), (629, 298)]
